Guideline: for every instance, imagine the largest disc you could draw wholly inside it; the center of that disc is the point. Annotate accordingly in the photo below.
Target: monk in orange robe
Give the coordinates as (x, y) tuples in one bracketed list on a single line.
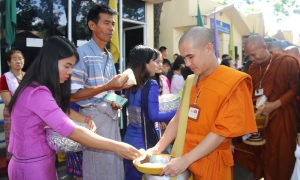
[(222, 98), (294, 51), (277, 75)]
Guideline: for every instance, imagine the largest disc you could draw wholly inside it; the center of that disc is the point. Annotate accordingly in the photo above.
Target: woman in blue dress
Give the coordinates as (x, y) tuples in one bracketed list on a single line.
[(143, 106)]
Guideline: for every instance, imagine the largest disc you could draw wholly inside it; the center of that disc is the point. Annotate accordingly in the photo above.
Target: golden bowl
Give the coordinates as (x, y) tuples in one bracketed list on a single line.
[(260, 121), (152, 164)]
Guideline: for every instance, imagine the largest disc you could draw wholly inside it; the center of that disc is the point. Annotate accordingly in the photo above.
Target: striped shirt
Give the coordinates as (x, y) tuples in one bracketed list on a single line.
[(93, 69)]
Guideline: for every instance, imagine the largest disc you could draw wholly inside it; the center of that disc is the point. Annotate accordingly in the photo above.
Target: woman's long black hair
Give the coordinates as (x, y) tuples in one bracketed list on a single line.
[(44, 71), (140, 56), (157, 75)]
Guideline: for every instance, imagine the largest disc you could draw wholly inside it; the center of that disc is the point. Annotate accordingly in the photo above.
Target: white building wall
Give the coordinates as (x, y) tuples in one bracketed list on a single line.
[(150, 24), (178, 16)]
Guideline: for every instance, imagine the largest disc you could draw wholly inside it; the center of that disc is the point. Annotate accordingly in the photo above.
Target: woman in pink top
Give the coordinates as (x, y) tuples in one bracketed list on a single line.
[(42, 99)]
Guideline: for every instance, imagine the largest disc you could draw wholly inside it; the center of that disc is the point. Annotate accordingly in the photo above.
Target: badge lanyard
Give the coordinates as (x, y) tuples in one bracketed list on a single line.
[(194, 111), (197, 96), (260, 90), (264, 72)]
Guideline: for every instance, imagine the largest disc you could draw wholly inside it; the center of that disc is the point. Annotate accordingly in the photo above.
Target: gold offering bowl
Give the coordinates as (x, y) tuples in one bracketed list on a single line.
[(256, 139), (152, 164), (260, 121)]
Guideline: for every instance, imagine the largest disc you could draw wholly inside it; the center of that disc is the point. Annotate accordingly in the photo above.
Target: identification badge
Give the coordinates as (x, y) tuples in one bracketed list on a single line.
[(194, 113), (259, 92)]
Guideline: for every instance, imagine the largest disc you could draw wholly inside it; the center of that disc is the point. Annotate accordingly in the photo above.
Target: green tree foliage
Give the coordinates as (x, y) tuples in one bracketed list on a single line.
[(281, 8), (50, 17)]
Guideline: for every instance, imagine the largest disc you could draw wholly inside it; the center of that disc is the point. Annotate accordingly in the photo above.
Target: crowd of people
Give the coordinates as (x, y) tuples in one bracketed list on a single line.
[(219, 96), (274, 71), (274, 74)]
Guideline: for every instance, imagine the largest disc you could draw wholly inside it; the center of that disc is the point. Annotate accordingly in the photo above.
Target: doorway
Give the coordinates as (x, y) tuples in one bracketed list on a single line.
[(132, 36)]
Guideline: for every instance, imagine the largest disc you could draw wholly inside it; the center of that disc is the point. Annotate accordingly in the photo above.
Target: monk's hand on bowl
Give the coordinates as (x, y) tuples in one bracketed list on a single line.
[(260, 109), (126, 151), (270, 107), (174, 167)]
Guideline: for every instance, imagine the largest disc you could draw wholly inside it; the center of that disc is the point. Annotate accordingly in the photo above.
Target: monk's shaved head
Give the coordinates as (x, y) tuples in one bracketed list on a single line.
[(197, 49), (200, 36), (275, 46), (255, 40), (293, 49), (255, 47)]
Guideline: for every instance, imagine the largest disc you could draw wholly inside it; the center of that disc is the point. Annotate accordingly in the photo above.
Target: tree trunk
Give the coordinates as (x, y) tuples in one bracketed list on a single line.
[(157, 13)]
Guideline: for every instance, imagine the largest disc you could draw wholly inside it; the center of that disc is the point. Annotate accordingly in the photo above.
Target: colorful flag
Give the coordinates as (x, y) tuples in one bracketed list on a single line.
[(114, 44), (231, 43), (10, 23), (199, 17), (216, 36)]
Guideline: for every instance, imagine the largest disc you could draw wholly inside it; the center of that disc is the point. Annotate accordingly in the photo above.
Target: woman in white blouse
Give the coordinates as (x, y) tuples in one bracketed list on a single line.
[(175, 76)]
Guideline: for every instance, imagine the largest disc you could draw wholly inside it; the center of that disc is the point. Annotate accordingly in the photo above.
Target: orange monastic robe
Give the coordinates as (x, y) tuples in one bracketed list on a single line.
[(225, 109), (276, 157)]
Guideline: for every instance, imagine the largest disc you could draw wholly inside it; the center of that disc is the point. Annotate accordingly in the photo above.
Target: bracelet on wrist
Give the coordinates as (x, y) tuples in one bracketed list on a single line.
[(88, 121), (87, 118)]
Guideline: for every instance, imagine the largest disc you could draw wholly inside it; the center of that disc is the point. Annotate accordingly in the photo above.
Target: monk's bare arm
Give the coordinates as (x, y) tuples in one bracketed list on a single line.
[(206, 146), (170, 133), (271, 106)]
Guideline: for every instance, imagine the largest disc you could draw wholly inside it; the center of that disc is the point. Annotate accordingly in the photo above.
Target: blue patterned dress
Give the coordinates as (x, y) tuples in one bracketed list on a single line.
[(141, 130), (74, 159)]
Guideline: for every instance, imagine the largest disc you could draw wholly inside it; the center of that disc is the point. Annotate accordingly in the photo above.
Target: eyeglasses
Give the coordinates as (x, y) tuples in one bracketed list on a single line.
[(158, 61)]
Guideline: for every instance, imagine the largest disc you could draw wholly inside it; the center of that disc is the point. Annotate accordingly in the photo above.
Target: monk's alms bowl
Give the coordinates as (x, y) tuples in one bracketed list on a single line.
[(185, 175), (152, 165), (260, 121)]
